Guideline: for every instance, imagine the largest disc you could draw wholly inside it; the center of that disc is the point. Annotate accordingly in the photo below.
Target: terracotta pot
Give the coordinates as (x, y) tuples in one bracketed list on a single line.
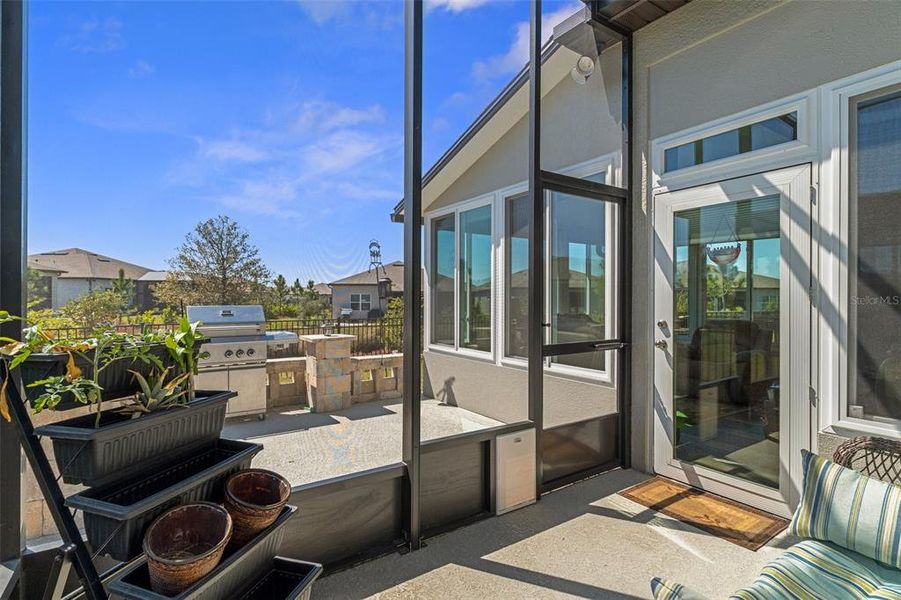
[(254, 498), (184, 544)]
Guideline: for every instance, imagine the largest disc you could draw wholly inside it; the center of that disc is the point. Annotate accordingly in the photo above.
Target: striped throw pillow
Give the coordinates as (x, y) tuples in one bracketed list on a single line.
[(847, 508)]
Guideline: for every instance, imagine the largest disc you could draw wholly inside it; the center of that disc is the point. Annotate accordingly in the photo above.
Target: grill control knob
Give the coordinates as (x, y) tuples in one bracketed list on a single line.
[(251, 352), (228, 353), (239, 353)]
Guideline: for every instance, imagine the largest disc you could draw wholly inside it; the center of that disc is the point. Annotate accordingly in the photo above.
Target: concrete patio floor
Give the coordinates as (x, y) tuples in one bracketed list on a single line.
[(306, 447), (583, 541)]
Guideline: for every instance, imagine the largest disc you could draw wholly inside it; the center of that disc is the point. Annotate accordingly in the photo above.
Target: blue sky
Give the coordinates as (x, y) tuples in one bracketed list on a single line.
[(147, 117)]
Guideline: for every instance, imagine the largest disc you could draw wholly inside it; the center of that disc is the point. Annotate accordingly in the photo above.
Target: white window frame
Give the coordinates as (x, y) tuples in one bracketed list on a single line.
[(455, 210), (611, 166), (360, 301), (834, 374)]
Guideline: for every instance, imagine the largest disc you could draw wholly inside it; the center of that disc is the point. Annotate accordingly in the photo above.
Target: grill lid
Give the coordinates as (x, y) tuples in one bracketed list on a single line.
[(228, 319)]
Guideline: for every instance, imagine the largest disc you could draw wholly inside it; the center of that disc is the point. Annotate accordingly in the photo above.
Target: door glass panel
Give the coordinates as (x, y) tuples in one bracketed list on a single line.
[(725, 337), (577, 283), (475, 279)]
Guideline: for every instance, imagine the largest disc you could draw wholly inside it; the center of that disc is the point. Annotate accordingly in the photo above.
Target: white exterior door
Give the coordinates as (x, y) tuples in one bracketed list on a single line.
[(733, 336)]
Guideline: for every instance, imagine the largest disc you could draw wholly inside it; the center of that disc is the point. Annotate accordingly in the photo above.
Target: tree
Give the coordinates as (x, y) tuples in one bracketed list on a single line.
[(309, 305), (38, 290), (98, 309), (216, 264), (280, 291), (124, 287)]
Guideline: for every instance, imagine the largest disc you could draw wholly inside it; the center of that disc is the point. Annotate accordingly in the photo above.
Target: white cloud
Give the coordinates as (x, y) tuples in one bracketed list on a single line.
[(454, 6), (326, 116), (517, 55), (95, 36), (341, 151), (232, 151), (323, 11), (141, 69), (355, 13)]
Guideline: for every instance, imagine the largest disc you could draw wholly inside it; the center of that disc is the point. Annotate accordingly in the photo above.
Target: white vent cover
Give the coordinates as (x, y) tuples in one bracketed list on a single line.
[(515, 470)]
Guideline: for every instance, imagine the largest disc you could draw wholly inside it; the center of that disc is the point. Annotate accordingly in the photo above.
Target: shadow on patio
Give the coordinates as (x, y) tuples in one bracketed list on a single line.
[(582, 541)]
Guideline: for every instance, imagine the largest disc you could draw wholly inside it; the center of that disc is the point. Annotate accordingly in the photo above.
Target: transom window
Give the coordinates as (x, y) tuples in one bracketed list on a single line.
[(763, 134), (360, 302)]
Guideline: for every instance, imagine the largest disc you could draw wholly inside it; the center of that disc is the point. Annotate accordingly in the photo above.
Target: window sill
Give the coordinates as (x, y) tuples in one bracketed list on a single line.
[(572, 373), (487, 357), (856, 427)]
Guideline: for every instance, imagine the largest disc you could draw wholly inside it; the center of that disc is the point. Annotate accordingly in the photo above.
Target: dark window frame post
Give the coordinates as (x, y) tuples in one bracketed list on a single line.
[(12, 252), (412, 361), (536, 243)]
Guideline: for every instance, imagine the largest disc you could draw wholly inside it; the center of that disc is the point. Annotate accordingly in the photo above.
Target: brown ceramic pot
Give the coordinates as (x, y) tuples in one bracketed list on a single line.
[(184, 544), (254, 498)]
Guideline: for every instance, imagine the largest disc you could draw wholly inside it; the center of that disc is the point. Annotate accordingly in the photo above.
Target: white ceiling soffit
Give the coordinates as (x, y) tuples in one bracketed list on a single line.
[(555, 68)]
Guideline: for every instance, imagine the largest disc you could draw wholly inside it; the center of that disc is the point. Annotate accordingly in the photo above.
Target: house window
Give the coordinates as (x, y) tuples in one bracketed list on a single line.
[(874, 314), (763, 134), (576, 250), (475, 279), (442, 284), (360, 302), (516, 277)]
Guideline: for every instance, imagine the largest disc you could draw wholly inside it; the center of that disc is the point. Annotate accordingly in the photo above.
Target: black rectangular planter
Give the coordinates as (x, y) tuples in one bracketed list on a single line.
[(116, 515), (286, 579), (123, 447), (232, 574), (115, 380)]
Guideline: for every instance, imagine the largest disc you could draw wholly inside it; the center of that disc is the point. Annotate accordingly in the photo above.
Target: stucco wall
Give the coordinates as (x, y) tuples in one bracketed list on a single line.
[(713, 58), (501, 392), (579, 123), (70, 289), (341, 299)]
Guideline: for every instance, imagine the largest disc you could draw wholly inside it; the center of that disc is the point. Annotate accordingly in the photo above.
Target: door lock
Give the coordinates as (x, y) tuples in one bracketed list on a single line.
[(662, 324), (660, 344)]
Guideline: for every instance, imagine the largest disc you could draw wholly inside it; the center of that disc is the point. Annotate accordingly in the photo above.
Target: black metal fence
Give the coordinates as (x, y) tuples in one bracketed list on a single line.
[(379, 336)]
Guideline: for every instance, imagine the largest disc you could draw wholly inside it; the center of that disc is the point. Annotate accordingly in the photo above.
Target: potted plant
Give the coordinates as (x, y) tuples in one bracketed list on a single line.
[(111, 444)]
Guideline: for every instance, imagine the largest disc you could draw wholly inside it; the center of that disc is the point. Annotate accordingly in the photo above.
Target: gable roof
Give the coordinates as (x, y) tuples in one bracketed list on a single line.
[(77, 263), (393, 271), (323, 289), (512, 103)]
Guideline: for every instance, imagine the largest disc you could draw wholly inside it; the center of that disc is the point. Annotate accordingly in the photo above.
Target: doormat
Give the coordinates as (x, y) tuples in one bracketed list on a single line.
[(732, 521)]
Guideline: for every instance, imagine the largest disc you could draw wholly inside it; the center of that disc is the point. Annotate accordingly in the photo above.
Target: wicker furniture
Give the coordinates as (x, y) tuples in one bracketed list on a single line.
[(814, 568), (878, 458)]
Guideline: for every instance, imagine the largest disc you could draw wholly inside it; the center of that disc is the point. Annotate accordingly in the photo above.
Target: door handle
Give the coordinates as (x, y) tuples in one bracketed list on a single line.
[(660, 344)]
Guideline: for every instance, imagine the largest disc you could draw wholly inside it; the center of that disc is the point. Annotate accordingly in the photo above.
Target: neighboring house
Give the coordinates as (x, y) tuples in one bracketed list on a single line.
[(145, 286), (776, 125), (325, 293), (366, 294), (75, 272)]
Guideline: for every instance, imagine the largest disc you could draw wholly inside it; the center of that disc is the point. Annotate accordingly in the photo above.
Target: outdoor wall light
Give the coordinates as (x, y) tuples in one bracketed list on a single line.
[(583, 70)]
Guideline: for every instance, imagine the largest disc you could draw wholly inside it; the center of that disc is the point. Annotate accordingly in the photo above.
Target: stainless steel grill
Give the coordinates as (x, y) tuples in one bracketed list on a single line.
[(237, 346)]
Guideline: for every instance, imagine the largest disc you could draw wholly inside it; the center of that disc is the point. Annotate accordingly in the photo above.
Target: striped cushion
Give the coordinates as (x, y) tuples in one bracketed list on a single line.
[(814, 569), (663, 589), (850, 509)]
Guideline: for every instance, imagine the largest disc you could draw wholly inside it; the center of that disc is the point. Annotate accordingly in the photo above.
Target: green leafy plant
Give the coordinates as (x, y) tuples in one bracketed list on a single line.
[(182, 344), (157, 393), (101, 351)]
